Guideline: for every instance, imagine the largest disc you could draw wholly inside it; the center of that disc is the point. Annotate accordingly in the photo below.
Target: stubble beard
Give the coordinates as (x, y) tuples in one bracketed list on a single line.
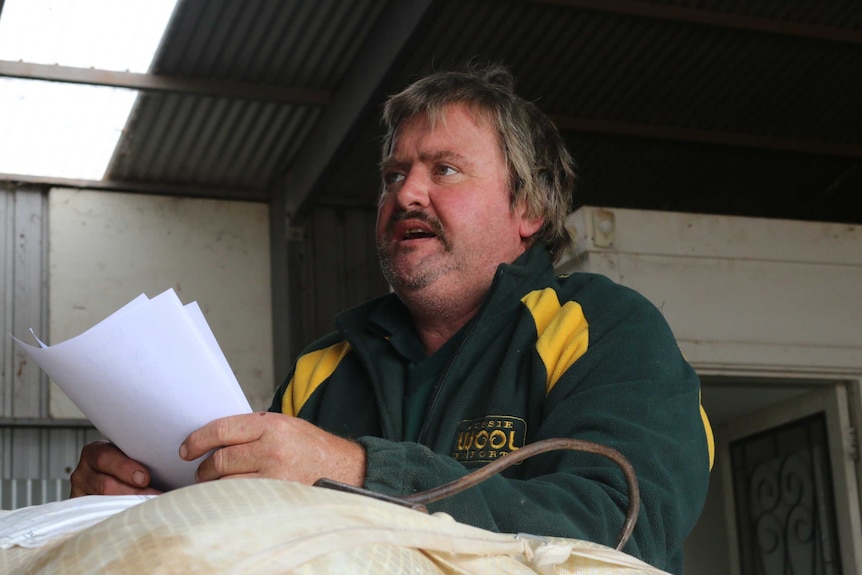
[(413, 282), (415, 285), (419, 277), (412, 277), (426, 301)]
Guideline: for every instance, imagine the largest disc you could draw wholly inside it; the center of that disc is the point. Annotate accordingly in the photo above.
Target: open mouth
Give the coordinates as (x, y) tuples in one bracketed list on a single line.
[(408, 229), (416, 234), (415, 226)]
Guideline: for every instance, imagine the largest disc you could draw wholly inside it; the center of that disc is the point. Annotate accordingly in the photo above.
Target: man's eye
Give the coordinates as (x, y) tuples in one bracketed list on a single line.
[(392, 178), (446, 171)]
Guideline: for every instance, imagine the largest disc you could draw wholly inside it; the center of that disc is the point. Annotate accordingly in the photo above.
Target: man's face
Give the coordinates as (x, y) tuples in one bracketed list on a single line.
[(444, 221)]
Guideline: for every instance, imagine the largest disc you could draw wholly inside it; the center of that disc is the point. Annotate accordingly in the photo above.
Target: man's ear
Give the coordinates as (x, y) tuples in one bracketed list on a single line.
[(530, 226)]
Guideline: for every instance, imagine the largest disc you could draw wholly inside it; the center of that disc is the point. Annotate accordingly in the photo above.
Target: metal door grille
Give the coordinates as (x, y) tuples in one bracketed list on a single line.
[(785, 509)]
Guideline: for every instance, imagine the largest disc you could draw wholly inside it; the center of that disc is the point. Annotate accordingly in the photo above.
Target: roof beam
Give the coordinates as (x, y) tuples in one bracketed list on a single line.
[(714, 18), (249, 195), (156, 83), (568, 123), (385, 44)]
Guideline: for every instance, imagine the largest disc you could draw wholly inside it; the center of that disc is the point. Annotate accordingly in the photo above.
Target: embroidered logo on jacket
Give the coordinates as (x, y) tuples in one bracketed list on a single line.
[(485, 439)]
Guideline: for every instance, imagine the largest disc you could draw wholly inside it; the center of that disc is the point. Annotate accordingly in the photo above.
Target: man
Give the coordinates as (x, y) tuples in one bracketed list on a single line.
[(481, 349)]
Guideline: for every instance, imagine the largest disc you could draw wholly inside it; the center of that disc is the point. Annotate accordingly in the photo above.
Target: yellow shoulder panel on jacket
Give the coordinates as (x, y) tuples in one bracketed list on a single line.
[(710, 439), (312, 369), (563, 332)]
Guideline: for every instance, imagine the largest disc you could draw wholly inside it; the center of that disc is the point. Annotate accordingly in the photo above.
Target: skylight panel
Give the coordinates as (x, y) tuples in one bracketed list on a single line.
[(54, 129)]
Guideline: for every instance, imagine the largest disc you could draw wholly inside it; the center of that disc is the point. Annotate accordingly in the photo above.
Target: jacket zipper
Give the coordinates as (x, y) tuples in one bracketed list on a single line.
[(439, 387)]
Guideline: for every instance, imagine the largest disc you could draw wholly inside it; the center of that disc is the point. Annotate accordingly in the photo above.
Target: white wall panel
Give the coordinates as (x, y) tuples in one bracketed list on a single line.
[(768, 294), (22, 305), (107, 248)]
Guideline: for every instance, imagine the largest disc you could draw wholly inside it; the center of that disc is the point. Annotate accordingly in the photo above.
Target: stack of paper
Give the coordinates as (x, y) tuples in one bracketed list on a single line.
[(147, 376)]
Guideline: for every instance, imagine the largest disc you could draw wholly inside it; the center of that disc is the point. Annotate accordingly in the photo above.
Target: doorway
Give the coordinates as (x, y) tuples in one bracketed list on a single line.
[(783, 496)]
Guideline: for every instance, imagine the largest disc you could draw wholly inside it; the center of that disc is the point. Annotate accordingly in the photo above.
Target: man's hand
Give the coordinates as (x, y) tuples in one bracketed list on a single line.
[(105, 470), (276, 446)]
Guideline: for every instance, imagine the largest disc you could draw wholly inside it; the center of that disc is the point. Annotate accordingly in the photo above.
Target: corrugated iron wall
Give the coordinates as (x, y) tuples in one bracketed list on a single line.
[(37, 453), (17, 493)]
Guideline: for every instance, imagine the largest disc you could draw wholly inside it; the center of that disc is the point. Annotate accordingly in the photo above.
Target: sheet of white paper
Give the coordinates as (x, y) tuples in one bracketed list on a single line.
[(197, 316), (132, 304), (147, 376)]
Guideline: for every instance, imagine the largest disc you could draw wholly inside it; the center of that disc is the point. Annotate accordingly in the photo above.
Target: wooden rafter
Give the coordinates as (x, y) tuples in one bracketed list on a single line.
[(714, 18)]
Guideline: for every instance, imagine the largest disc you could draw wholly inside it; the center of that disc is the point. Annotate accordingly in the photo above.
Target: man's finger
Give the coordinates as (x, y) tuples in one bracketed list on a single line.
[(232, 430), (228, 462), (106, 458), (112, 486), (105, 470)]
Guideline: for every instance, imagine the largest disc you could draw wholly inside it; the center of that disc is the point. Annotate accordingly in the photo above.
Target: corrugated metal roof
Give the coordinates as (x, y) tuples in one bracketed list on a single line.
[(239, 143), (721, 106), (737, 116), (291, 42)]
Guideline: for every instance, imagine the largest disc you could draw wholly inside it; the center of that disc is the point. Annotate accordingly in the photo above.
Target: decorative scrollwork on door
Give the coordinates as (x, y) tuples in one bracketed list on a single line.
[(784, 505)]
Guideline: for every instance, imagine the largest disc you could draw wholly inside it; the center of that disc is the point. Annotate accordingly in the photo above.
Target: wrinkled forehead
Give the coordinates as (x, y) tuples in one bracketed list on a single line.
[(438, 116)]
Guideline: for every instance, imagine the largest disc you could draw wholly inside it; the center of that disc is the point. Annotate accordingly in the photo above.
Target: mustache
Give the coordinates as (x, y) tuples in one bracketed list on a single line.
[(430, 221)]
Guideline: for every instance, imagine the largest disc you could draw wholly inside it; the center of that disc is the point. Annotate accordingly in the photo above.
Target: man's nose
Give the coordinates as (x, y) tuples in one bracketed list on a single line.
[(414, 190)]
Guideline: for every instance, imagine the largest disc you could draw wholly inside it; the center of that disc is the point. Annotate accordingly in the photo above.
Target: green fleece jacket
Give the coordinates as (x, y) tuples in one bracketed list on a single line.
[(547, 356)]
